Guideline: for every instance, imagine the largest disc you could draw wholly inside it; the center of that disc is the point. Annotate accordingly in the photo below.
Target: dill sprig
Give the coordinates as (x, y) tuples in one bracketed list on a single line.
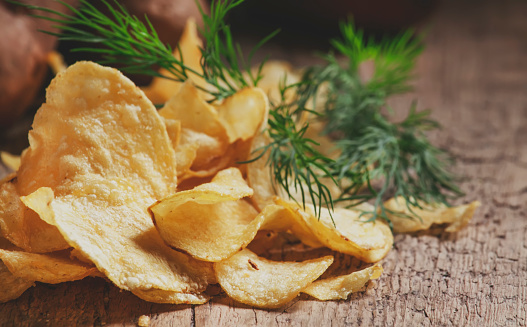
[(294, 162), (135, 47), (373, 148), (223, 61), (120, 38)]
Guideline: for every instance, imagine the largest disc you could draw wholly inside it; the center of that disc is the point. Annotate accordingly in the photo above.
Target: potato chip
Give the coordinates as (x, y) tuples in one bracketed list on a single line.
[(288, 219), (259, 282), (340, 287), (56, 62), (347, 232), (203, 138), (275, 73), (209, 222), (51, 268), (10, 160), (161, 89), (414, 219), (259, 175), (11, 213), (244, 113), (12, 286), (107, 159), (22, 226)]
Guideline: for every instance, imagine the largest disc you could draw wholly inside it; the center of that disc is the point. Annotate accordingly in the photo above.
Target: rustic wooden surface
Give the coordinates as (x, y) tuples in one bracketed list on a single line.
[(474, 75)]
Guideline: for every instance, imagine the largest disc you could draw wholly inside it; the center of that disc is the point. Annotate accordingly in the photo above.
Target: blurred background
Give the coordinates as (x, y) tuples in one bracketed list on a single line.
[(305, 27)]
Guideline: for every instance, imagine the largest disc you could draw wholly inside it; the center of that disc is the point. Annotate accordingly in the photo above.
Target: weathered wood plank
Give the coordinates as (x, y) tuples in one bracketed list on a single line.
[(474, 76)]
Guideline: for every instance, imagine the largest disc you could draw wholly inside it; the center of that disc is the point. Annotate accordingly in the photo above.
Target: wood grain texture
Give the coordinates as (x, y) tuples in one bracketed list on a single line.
[(474, 76)]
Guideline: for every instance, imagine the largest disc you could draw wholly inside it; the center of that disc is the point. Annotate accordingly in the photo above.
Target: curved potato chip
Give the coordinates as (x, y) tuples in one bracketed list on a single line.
[(52, 268), (209, 222), (290, 220), (12, 286), (259, 175), (347, 232), (415, 219), (244, 113), (22, 226), (189, 51), (203, 138), (56, 62), (11, 215), (275, 73), (10, 160), (107, 159), (340, 287), (259, 282)]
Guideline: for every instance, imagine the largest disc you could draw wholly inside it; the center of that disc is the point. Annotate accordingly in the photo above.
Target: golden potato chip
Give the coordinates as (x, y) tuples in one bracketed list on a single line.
[(107, 159), (259, 282), (8, 178), (10, 160), (209, 222), (161, 89), (11, 214), (244, 113), (288, 219), (22, 226), (347, 232), (340, 287), (56, 62), (203, 139), (51, 268), (12, 286), (259, 175), (173, 127), (415, 219), (264, 240), (276, 73)]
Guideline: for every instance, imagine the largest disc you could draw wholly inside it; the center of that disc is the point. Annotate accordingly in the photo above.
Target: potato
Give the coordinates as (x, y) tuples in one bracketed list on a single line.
[(23, 51)]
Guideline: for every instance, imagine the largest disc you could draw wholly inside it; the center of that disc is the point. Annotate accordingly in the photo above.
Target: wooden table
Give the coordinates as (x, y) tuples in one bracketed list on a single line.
[(474, 76)]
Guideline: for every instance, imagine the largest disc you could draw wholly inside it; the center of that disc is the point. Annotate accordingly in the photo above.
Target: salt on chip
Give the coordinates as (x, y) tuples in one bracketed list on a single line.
[(244, 113), (346, 231), (259, 282), (108, 158), (51, 268), (413, 219), (340, 287)]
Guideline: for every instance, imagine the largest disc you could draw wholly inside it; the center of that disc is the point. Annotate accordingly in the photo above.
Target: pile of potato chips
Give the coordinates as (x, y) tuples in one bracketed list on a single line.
[(157, 202)]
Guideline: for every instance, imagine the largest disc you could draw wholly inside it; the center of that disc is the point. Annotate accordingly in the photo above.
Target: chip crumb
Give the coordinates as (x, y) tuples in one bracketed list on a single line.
[(143, 321)]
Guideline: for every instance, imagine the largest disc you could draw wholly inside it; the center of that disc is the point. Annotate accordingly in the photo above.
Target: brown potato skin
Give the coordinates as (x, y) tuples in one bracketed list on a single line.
[(23, 51), (167, 16)]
